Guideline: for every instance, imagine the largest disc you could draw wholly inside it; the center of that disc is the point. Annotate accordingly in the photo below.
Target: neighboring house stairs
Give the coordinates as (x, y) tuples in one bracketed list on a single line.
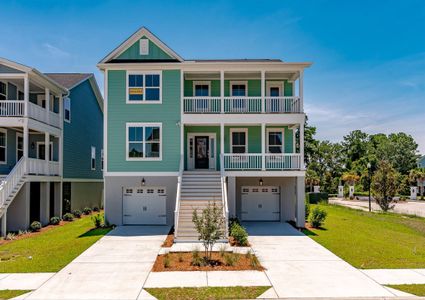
[(197, 190)]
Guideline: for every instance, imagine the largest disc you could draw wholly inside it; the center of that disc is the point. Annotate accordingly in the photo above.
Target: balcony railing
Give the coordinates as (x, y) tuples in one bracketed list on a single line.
[(254, 161), (16, 108), (241, 105), (41, 167)]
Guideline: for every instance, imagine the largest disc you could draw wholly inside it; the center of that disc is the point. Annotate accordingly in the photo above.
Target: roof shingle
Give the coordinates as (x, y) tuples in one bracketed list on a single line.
[(68, 80)]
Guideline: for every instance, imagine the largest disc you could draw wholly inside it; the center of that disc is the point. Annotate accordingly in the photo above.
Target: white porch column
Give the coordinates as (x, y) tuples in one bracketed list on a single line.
[(4, 224), (300, 204), (222, 90), (182, 91), (46, 152), (47, 99), (26, 94), (26, 146), (301, 90), (263, 146), (263, 90), (221, 141), (302, 146), (60, 139)]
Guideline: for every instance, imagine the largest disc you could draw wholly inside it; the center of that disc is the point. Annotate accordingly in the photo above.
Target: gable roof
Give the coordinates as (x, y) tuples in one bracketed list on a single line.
[(143, 31), (71, 80)]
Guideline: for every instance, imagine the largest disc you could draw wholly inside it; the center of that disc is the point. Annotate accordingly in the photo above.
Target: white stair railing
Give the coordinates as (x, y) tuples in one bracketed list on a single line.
[(224, 196), (178, 195), (11, 181)]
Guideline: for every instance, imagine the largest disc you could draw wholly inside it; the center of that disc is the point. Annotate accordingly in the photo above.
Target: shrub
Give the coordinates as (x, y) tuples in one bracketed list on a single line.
[(87, 210), (231, 259), (96, 209), (166, 260), (68, 217), (314, 198), (35, 226), (54, 220), (222, 250), (10, 236), (197, 260), (307, 209), (317, 217), (239, 234), (254, 262), (97, 220), (77, 213)]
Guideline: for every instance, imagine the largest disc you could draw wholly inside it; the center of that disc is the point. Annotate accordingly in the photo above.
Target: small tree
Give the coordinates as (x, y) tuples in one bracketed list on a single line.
[(384, 185), (209, 226)]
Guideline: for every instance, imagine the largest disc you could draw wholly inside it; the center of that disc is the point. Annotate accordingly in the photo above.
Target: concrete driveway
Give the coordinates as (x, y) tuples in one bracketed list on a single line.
[(297, 266), (115, 267)]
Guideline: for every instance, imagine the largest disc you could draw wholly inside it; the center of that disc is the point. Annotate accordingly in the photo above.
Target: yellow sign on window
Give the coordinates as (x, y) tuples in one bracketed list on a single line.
[(135, 91)]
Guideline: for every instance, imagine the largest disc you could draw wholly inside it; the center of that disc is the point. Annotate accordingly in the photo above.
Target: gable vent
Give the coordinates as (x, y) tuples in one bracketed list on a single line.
[(144, 46)]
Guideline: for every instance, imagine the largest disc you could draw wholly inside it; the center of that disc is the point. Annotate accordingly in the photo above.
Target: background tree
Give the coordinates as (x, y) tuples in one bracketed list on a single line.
[(384, 185)]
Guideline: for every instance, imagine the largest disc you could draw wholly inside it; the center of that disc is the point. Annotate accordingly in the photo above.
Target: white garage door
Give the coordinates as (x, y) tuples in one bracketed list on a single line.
[(144, 206), (260, 203)]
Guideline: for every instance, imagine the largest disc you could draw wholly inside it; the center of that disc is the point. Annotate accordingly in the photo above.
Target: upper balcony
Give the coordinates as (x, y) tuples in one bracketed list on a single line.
[(243, 93)]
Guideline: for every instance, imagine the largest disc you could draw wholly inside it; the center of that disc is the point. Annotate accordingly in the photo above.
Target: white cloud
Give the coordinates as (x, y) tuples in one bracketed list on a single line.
[(55, 51)]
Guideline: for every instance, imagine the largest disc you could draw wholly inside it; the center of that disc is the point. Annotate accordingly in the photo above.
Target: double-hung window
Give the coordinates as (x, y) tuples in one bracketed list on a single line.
[(101, 159), (275, 141), (201, 90), (144, 141), (144, 87), (93, 158), (239, 91), (3, 146), (3, 91), (67, 109), (239, 140)]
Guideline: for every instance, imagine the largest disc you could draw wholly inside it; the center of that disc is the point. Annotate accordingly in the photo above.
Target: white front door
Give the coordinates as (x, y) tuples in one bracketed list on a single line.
[(144, 206), (260, 203), (201, 151)]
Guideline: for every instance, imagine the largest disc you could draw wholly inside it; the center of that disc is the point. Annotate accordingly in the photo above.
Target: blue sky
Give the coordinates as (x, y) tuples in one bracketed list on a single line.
[(369, 56)]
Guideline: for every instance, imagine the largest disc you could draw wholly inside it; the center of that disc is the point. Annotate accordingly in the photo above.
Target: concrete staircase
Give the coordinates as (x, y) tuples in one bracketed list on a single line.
[(198, 189)]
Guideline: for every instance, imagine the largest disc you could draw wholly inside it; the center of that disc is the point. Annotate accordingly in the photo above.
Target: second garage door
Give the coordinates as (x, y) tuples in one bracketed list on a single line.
[(260, 203), (144, 206)]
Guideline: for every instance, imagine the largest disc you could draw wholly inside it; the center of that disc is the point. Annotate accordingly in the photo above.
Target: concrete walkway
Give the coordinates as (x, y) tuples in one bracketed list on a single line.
[(115, 267), (298, 267), (416, 208), (397, 276), (23, 281)]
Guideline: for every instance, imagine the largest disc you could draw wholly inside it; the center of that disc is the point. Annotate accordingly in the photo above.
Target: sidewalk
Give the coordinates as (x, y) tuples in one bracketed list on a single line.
[(396, 276), (23, 281)]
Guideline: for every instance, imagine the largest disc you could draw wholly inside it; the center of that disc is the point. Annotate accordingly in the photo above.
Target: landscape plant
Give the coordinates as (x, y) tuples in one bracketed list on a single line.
[(239, 234), (97, 220), (384, 185), (209, 226), (317, 217), (35, 226), (77, 213), (68, 217), (54, 220), (87, 210)]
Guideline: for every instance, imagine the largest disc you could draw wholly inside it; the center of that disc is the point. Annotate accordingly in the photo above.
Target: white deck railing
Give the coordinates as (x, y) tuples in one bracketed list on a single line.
[(283, 105), (16, 108), (10, 183), (41, 167), (254, 161), (241, 105)]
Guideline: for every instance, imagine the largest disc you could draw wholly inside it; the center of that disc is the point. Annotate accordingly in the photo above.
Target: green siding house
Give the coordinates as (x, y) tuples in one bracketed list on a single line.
[(183, 133), (64, 111)]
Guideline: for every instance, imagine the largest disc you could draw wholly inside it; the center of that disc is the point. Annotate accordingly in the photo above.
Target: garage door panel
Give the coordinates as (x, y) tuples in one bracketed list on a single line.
[(260, 203), (144, 206)]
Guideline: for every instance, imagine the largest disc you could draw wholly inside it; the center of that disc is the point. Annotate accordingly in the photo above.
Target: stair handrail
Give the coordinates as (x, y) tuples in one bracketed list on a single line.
[(224, 194), (178, 195), (11, 180)]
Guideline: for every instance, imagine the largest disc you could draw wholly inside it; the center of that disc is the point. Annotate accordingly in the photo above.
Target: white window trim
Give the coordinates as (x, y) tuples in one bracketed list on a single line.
[(161, 144), (195, 83), (278, 84), (5, 147), (51, 150), (140, 47), (127, 100), (102, 159), (91, 158), (232, 83), (64, 109), (18, 135), (232, 130), (282, 130)]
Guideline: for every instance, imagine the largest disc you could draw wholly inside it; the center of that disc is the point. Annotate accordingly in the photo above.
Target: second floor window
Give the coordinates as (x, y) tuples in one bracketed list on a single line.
[(67, 109), (144, 88)]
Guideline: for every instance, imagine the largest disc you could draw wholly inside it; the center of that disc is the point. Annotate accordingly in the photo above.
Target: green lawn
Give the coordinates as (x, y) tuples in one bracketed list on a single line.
[(373, 240), (210, 293), (49, 251), (7, 294), (415, 289)]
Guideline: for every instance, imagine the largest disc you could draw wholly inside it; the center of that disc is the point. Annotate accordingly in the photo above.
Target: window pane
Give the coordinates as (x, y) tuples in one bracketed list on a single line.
[(238, 90), (275, 149), (2, 154), (238, 149), (135, 149), (135, 80), (152, 149), (274, 92), (275, 138), (152, 94), (2, 97), (2, 139), (136, 97), (20, 143), (152, 133), (152, 80), (135, 134), (201, 90), (238, 138), (2, 88)]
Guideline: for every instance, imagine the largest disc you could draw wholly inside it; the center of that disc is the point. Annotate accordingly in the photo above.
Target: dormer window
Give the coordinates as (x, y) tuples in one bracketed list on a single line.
[(144, 46)]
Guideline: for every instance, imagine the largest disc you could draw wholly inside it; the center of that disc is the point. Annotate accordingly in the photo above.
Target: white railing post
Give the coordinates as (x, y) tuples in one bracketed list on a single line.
[(47, 99), (26, 94), (302, 146), (26, 146), (46, 153), (222, 91), (263, 146), (301, 90), (263, 89)]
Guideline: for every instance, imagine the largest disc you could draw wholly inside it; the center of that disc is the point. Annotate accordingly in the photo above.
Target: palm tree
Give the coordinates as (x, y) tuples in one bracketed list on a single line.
[(418, 175)]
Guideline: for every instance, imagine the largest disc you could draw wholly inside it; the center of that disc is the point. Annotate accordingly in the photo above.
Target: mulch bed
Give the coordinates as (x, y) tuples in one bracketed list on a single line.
[(169, 241), (242, 263)]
